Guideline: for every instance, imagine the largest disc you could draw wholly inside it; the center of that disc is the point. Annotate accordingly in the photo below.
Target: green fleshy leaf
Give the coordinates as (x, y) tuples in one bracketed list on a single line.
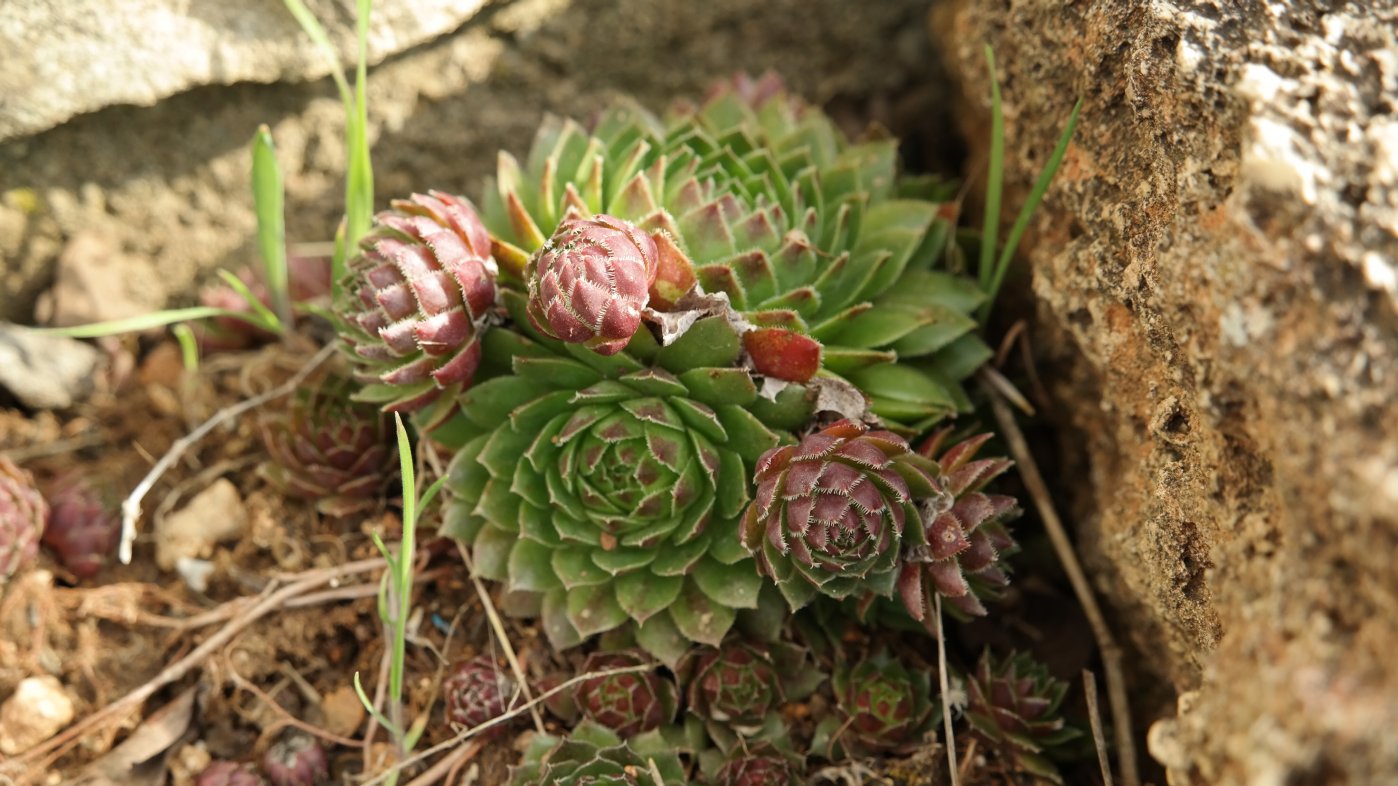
[(678, 559), (900, 383), (734, 586), (731, 495), (924, 287), (576, 529), (654, 382), (503, 450), (491, 553), (747, 436), (531, 567), (699, 617), (711, 341), (498, 506), (943, 327), (960, 359), (532, 416), (489, 403), (575, 568), (661, 637), (643, 594), (611, 366), (623, 560), (528, 483), (700, 418), (793, 408), (727, 545), (593, 610), (556, 372), (880, 326), (536, 524), (557, 626), (720, 386)]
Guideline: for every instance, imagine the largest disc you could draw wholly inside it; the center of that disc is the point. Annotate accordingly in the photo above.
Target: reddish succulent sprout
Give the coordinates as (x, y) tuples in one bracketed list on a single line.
[(887, 707), (589, 283), (830, 513), (296, 760), (736, 685), (1013, 708), (629, 703), (23, 513), (961, 560), (477, 691), (783, 354), (759, 767), (330, 449), (308, 278), (82, 528), (229, 773), (417, 299)]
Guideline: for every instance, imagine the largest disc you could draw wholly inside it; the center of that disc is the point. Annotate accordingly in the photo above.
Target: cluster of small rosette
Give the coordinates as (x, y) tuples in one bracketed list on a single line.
[(695, 375)]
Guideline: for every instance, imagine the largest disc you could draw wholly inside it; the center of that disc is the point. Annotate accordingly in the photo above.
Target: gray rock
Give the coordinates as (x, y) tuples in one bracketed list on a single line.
[(64, 59), (168, 185), (43, 371), (1217, 310)]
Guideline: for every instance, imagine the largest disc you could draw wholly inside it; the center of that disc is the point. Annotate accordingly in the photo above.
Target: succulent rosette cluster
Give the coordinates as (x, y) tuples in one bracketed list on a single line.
[(1014, 709), (608, 488), (330, 449), (762, 765), (83, 527), (593, 755), (628, 703), (882, 707), (23, 513), (737, 690), (832, 512), (416, 301), (961, 559), (478, 691), (834, 262)]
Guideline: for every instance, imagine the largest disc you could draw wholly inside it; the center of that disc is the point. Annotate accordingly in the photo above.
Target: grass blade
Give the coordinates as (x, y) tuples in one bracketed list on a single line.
[(269, 203), (189, 347), (312, 27), (359, 171), (1036, 195), (147, 321), (994, 179), (260, 315)]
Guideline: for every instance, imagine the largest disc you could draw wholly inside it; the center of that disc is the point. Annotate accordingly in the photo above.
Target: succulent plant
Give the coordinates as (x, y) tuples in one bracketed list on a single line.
[(229, 773), (629, 703), (609, 487), (308, 278), (330, 449), (816, 241), (1013, 707), (831, 513), (961, 556), (883, 707), (738, 689), (416, 300), (588, 284), (477, 691), (23, 512), (761, 765), (593, 755), (296, 760), (82, 527)]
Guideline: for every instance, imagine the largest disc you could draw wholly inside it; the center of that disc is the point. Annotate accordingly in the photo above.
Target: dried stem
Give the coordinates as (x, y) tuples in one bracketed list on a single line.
[(1111, 652), (270, 600), (131, 506), (946, 690), (498, 626), (1094, 717)]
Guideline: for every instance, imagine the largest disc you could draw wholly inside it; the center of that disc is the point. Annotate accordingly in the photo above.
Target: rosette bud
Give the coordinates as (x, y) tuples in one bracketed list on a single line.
[(416, 301), (883, 707), (589, 283), (629, 703), (82, 527), (1013, 708), (296, 760), (229, 773), (478, 691)]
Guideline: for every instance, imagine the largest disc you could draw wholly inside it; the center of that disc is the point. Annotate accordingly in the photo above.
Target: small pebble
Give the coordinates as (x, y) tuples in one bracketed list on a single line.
[(37, 710)]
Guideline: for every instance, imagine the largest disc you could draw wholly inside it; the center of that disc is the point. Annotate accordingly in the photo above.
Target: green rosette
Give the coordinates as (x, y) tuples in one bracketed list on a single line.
[(604, 492), (804, 231)]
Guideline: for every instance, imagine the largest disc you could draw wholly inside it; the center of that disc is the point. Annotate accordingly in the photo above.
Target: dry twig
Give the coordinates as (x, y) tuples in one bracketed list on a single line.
[(1094, 717), (1111, 652), (131, 506), (946, 690)]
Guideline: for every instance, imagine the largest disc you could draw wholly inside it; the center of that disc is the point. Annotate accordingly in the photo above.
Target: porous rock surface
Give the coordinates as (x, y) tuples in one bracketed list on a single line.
[(165, 189), (1214, 272)]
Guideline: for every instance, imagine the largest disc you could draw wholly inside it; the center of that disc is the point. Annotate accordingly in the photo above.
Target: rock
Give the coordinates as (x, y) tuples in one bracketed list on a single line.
[(168, 185), (36, 711), (75, 57), (1215, 304), (44, 371), (214, 515), (90, 284)]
